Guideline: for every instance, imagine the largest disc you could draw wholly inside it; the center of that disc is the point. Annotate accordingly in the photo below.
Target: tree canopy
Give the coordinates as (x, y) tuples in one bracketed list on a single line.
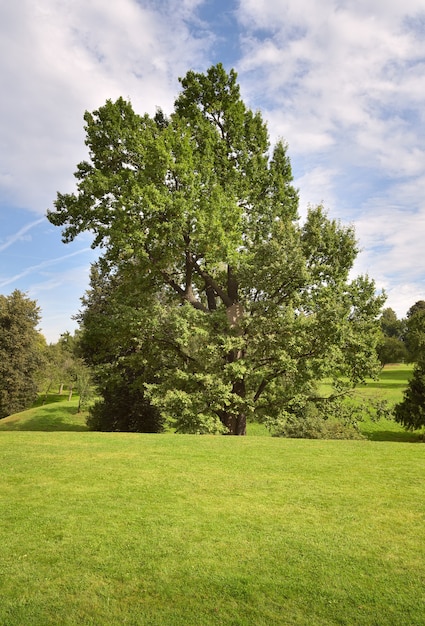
[(411, 411), (415, 331), (391, 345), (21, 352), (209, 287)]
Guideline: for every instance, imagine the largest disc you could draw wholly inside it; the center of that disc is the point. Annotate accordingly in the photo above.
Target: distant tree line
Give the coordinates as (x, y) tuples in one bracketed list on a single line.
[(402, 340)]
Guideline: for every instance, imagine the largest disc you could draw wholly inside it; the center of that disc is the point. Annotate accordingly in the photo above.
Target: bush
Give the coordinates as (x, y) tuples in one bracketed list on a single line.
[(329, 419), (317, 427)]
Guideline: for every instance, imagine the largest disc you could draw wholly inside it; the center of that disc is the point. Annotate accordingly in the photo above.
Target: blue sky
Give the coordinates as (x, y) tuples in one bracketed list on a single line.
[(342, 81)]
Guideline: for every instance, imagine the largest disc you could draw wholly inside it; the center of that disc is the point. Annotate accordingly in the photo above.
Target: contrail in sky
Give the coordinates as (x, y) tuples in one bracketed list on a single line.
[(34, 268), (11, 240)]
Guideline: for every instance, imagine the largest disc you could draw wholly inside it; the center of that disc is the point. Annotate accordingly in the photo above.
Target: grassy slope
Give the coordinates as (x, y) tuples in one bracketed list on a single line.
[(58, 414), (112, 529)]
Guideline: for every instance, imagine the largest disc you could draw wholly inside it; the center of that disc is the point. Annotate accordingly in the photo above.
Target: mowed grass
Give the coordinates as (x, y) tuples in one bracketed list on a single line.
[(393, 380), (112, 529)]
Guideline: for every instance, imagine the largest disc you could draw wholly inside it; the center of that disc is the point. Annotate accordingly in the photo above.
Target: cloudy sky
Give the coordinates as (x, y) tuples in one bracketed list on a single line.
[(343, 81)]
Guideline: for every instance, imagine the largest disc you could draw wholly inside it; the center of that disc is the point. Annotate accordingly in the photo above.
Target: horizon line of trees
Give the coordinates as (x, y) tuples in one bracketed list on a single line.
[(401, 339)]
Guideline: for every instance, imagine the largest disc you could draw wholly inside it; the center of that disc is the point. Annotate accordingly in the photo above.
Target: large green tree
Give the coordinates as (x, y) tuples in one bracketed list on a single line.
[(241, 308), (116, 322), (21, 352)]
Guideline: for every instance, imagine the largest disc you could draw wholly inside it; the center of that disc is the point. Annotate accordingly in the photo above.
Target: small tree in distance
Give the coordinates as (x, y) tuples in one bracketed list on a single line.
[(223, 303), (391, 347)]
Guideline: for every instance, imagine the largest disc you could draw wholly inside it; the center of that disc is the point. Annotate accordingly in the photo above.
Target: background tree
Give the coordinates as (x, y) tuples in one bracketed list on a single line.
[(391, 326), (57, 369), (391, 350), (237, 310), (411, 411), (415, 331), (114, 327), (391, 346), (21, 352)]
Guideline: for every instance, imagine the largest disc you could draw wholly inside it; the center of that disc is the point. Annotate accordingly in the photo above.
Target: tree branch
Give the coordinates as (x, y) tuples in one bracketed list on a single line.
[(210, 282), (261, 388), (184, 295), (177, 348)]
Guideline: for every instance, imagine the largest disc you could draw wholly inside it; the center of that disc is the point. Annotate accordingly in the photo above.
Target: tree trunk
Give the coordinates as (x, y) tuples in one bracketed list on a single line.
[(46, 392), (235, 422)]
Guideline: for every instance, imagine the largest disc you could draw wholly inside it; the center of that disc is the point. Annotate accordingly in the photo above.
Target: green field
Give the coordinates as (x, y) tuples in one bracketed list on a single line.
[(171, 530)]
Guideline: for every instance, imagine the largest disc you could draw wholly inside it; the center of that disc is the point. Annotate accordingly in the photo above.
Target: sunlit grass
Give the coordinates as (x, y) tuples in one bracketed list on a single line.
[(389, 387), (393, 380), (111, 529)]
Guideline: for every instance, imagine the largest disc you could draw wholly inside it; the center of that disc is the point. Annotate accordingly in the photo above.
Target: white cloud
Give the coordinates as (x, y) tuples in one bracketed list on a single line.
[(58, 59), (343, 84), (337, 68), (316, 187)]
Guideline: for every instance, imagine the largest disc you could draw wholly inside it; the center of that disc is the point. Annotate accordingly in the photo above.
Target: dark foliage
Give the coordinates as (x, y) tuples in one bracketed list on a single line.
[(123, 406), (21, 352), (411, 411)]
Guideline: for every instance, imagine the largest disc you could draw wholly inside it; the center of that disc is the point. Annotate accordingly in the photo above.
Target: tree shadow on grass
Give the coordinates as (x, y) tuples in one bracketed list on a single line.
[(383, 385), (389, 435)]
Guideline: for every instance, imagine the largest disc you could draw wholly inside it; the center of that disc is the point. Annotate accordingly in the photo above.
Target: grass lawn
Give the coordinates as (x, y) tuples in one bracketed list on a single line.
[(106, 529), (112, 529)]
